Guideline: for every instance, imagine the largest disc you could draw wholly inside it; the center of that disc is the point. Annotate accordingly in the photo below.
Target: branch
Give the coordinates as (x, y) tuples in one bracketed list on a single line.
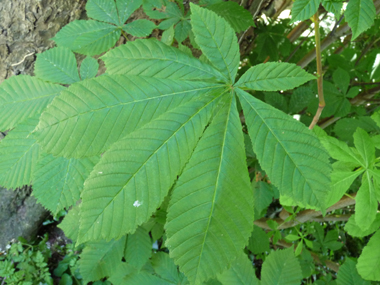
[(305, 216), (321, 98)]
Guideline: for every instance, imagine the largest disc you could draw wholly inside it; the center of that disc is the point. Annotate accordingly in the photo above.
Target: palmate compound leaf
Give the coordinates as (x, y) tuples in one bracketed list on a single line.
[(58, 181), (291, 155), (88, 37), (241, 272), (274, 76), (91, 115), (153, 58), (210, 215), (135, 174), (369, 261), (360, 15), (88, 68), (19, 153), (57, 65), (100, 259), (217, 40), (22, 97)]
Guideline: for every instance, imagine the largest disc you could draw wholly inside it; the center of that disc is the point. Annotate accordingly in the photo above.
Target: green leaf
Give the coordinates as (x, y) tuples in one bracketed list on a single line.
[(298, 168), (100, 259), (102, 10), (58, 181), (142, 277), (57, 65), (341, 151), (274, 76), (348, 275), (304, 9), (241, 272), (139, 28), (333, 6), (19, 152), (369, 260), (263, 196), (341, 79), (360, 15), (126, 8), (366, 203), (300, 99), (365, 147), (97, 112), (134, 175), (353, 92), (138, 249), (259, 241), (88, 37), (162, 9), (70, 224), (168, 36), (22, 97), (277, 100), (164, 266), (341, 180), (182, 30), (152, 58), (376, 117), (281, 267), (89, 68), (212, 200), (353, 229), (239, 18), (217, 41)]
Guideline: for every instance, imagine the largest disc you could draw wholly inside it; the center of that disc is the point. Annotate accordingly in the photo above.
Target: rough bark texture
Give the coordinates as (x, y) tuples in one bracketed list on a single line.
[(25, 29)]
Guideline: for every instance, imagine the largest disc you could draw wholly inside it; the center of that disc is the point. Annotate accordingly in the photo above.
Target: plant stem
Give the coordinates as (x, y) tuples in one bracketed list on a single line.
[(322, 102)]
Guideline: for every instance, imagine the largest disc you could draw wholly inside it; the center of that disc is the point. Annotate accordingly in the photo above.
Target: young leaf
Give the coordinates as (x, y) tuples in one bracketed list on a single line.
[(298, 168), (57, 65), (135, 174), (210, 214), (102, 10), (304, 9), (360, 15), (152, 58), (19, 153), (353, 229), (97, 112), (239, 18), (168, 36), (369, 259), (58, 181), (241, 272), (126, 8), (365, 147), (138, 248), (100, 259), (348, 275), (88, 37), (281, 267), (89, 68), (139, 28), (274, 76), (366, 203), (182, 30), (22, 97), (217, 41)]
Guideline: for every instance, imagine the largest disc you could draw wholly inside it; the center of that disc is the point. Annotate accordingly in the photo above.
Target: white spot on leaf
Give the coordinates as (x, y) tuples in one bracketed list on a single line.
[(137, 204)]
